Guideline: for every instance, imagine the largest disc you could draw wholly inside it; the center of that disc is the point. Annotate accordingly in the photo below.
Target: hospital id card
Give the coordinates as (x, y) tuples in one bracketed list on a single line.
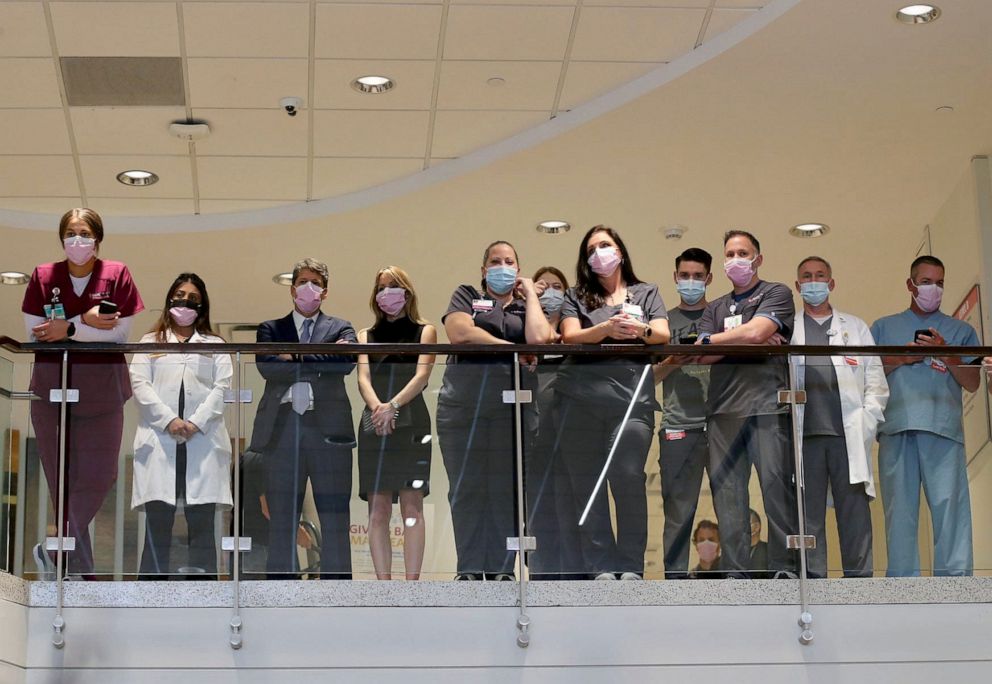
[(731, 322)]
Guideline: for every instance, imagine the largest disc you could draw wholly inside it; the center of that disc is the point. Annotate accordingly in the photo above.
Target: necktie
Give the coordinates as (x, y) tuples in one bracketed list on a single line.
[(307, 331), (301, 392)]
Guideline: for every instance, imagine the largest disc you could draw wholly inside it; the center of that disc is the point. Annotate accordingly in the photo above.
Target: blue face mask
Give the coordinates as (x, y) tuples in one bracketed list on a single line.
[(500, 279), (814, 293), (552, 300), (691, 291)]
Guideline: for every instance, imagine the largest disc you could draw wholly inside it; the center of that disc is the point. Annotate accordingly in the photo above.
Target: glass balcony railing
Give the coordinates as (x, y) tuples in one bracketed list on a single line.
[(258, 462)]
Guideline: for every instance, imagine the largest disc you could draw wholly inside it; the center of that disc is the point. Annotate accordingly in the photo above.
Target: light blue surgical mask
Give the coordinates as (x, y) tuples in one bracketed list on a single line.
[(552, 300), (814, 293), (500, 279), (691, 291)]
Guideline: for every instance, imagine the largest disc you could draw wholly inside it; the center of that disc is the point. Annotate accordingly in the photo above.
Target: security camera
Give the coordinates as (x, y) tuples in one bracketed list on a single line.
[(292, 105)]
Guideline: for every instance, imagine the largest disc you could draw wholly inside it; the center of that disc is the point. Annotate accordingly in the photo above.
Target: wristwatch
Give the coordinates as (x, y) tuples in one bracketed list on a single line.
[(647, 331), (71, 330), (395, 404)]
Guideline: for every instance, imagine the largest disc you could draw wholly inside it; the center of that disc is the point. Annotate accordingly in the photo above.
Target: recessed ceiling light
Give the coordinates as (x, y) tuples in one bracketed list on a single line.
[(808, 230), (553, 227), (373, 85), (13, 278), (496, 81), (945, 109), (137, 177), (918, 14), (283, 279)]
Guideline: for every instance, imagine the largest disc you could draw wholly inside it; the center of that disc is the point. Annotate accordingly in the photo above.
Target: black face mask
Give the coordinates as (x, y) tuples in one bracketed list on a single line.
[(184, 304)]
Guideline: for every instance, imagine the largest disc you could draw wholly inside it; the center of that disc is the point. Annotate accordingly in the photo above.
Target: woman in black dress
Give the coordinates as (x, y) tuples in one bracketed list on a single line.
[(394, 438)]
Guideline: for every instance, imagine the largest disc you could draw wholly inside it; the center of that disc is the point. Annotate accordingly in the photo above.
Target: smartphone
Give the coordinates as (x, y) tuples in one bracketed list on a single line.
[(108, 307), (689, 338), (921, 331)]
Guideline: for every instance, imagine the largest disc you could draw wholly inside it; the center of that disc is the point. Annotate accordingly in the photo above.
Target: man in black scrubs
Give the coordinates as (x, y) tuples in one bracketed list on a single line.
[(746, 424)]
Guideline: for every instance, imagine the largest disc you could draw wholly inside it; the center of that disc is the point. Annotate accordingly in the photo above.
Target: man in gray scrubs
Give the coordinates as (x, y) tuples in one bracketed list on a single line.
[(683, 449), (746, 424), (845, 400)]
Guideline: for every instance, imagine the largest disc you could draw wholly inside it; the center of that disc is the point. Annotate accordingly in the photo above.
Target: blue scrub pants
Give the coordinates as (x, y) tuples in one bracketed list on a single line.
[(905, 460)]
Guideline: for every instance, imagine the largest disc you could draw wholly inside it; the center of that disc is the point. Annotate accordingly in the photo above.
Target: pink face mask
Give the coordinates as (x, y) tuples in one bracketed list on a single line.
[(707, 550), (307, 298), (928, 297), (183, 316), (739, 270), (391, 300), (79, 250), (604, 261)]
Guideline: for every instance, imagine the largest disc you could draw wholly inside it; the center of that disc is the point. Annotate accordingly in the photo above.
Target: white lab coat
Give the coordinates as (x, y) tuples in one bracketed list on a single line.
[(863, 389), (155, 379)]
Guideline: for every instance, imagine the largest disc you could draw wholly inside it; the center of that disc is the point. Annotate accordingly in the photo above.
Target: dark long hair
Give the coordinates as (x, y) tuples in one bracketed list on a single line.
[(165, 322), (587, 286)]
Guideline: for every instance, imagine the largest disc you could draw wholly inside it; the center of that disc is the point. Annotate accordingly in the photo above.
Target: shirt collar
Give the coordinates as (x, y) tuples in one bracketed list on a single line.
[(298, 319)]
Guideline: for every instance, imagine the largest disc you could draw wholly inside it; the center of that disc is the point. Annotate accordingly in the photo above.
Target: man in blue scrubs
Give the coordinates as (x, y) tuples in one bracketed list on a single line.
[(922, 438)]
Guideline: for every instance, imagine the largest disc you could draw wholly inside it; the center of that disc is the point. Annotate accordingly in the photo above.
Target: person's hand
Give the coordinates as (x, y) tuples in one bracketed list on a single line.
[(631, 328), (776, 340), (934, 339), (384, 419), (528, 361), (285, 357), (540, 286), (910, 360), (190, 428), (525, 287), (51, 331), (618, 327), (95, 319), (176, 428)]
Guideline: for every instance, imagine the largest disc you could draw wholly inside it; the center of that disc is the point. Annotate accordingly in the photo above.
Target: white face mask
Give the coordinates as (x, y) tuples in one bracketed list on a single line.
[(928, 297)]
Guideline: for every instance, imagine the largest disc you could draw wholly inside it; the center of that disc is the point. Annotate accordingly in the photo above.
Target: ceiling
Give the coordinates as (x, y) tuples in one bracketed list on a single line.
[(238, 59)]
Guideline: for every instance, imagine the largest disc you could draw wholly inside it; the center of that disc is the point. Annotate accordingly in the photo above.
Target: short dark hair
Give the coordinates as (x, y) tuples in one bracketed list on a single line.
[(815, 258), (742, 233), (700, 256), (925, 259), (705, 525)]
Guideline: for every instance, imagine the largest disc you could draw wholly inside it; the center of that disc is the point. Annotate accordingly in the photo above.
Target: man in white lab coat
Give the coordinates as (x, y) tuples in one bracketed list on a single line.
[(845, 399)]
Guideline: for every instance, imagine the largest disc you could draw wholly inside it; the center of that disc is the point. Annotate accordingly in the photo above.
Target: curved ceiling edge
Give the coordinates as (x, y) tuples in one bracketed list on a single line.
[(450, 169)]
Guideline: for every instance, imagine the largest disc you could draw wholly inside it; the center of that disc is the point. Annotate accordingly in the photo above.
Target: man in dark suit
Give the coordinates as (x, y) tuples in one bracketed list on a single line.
[(304, 428)]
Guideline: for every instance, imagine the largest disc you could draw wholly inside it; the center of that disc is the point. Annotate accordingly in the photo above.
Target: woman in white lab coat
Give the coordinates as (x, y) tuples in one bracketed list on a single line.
[(182, 450)]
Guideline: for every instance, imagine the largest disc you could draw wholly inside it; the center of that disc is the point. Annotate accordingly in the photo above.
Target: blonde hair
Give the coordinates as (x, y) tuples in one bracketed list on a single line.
[(400, 277)]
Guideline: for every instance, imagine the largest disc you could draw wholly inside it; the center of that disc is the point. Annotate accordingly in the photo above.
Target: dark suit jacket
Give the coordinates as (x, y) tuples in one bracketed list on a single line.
[(324, 372)]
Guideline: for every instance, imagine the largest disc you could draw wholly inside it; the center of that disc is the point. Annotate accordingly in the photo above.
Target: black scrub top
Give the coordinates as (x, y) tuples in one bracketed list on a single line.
[(610, 380), (480, 379)]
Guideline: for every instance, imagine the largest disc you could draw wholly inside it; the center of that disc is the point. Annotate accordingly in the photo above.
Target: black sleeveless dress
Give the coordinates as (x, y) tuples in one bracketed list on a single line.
[(401, 460)]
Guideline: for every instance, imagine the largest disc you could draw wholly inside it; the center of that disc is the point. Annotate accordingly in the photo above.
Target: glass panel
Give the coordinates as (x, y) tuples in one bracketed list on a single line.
[(8, 468)]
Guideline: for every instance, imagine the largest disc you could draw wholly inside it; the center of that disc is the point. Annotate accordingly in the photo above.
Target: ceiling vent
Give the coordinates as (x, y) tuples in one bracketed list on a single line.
[(123, 81)]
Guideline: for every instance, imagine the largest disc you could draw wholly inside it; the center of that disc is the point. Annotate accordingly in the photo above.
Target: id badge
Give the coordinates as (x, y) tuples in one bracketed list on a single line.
[(731, 322), (634, 311), (482, 305), (55, 312), (850, 361), (673, 435), (938, 365)]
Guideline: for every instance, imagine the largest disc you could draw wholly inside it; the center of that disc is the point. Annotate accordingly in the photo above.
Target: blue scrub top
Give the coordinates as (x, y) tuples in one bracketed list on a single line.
[(921, 396)]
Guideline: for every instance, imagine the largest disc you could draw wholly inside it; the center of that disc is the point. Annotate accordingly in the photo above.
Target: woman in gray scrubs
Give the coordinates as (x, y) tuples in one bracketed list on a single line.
[(609, 305), (475, 428)]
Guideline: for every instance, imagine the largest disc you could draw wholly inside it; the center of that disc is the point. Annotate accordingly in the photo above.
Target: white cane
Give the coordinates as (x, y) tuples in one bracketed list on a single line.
[(616, 440)]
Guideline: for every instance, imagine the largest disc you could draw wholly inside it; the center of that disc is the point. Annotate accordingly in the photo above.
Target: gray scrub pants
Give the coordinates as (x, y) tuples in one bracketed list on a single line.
[(682, 457)]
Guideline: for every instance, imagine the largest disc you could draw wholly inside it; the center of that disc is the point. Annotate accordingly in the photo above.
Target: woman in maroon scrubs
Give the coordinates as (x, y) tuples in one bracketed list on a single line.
[(62, 303)]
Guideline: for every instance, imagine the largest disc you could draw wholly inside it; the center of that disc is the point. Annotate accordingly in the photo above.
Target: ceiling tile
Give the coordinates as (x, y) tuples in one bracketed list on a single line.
[(650, 3), (723, 19), (378, 31), (28, 82), (750, 4), (100, 176), (382, 2), (480, 32), (33, 131), (413, 90), (458, 133), (338, 176), (245, 83), (41, 205), (264, 178), (127, 130), (141, 206), (23, 30), (586, 80), (247, 29), (218, 206), (116, 29), (370, 133), (37, 176), (629, 34), (525, 85), (253, 132)]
